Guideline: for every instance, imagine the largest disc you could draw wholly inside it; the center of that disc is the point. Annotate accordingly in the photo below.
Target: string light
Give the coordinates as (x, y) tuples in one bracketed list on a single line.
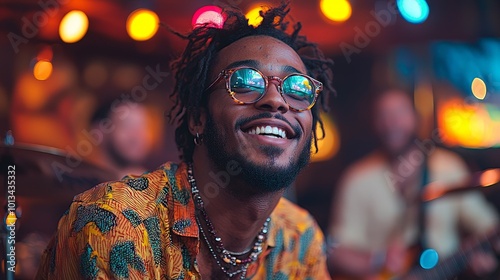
[(73, 26), (42, 70), (253, 15), (142, 24), (210, 15), (336, 10), (413, 11)]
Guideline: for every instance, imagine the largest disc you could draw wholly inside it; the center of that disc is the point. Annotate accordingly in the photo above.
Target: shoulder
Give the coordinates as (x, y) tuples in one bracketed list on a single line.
[(295, 234), (132, 193), (440, 155), (370, 168), (293, 220), (447, 166)]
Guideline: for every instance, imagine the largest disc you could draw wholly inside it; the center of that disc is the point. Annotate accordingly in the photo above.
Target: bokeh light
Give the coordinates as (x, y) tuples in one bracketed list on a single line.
[(413, 11), (253, 15), (42, 70), (490, 177), (478, 88), (328, 146), (468, 125), (73, 26), (336, 10), (142, 24), (429, 258), (208, 15), (11, 219)]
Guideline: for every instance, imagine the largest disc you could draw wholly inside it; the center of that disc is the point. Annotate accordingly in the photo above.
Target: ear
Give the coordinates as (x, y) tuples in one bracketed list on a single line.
[(198, 125)]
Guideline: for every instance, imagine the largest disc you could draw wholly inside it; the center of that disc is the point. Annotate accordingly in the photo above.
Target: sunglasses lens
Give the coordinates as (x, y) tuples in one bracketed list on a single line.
[(247, 85), (298, 91)]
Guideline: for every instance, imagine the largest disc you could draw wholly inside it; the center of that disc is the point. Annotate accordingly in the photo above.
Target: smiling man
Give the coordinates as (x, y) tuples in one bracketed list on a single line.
[(246, 105)]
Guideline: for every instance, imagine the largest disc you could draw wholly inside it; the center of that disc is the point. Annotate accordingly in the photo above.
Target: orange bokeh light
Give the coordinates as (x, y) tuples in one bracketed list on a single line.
[(467, 125), (489, 177), (42, 70)]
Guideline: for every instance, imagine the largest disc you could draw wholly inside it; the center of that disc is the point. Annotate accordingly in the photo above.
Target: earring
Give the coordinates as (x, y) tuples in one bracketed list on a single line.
[(197, 139)]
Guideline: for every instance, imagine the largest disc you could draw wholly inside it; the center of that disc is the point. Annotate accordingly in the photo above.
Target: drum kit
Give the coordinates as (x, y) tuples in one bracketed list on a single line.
[(38, 185)]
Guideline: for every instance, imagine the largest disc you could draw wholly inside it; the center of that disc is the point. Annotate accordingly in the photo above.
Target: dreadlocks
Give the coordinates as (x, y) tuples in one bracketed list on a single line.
[(192, 69)]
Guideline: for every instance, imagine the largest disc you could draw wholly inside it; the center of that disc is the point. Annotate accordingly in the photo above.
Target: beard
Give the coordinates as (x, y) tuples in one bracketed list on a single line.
[(393, 151), (265, 178)]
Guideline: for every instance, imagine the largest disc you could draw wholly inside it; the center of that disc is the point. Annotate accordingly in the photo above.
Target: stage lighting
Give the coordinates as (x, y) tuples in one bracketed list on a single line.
[(478, 88), (336, 10), (414, 11), (208, 15), (73, 26), (142, 24)]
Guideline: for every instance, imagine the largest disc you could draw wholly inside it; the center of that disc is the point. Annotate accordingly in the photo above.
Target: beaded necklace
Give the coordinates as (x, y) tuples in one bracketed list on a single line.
[(225, 260)]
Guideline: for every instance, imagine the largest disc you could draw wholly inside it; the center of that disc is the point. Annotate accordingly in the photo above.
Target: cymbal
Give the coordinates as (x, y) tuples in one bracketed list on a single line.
[(480, 180), (46, 180), (49, 173)]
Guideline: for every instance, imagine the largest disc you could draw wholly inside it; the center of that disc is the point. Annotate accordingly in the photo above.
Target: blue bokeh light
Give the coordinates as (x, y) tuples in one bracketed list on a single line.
[(429, 259), (414, 11)]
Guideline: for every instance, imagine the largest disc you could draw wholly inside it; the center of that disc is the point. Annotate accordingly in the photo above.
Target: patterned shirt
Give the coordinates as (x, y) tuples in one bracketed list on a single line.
[(144, 227)]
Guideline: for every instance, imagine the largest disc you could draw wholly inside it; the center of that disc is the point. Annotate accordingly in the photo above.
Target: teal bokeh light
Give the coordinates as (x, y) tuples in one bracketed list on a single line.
[(414, 11), (429, 259)]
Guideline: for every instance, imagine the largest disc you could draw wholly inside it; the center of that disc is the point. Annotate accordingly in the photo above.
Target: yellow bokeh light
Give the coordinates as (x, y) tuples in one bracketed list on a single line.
[(467, 125), (42, 70), (73, 26), (11, 219), (330, 144), (478, 88), (336, 10), (253, 15), (142, 24)]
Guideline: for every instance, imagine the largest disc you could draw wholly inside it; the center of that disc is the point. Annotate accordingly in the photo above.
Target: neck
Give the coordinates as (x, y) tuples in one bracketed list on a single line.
[(120, 168), (407, 165), (237, 219)]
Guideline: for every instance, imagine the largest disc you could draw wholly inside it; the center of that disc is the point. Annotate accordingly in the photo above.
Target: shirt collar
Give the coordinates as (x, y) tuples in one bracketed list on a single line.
[(180, 201)]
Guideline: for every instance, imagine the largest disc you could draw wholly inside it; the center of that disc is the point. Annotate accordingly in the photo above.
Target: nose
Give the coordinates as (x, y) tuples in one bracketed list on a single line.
[(272, 100)]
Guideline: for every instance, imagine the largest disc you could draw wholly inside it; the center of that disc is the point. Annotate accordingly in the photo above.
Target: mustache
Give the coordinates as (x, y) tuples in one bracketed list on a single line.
[(266, 115)]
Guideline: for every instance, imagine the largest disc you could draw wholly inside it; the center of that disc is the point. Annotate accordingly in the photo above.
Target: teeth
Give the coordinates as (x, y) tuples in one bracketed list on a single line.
[(275, 131), (269, 131)]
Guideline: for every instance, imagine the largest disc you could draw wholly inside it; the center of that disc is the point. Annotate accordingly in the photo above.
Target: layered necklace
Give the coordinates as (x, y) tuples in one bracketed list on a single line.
[(229, 262)]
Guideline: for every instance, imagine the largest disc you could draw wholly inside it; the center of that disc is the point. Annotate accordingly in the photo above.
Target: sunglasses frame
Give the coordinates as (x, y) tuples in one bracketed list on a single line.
[(227, 73)]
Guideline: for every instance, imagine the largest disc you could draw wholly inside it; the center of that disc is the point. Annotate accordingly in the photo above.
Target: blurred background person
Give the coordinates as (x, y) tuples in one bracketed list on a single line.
[(127, 138), (378, 216)]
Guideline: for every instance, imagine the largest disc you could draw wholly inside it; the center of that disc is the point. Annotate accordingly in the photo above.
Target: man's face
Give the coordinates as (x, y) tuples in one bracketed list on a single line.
[(395, 121), (129, 143), (268, 161)]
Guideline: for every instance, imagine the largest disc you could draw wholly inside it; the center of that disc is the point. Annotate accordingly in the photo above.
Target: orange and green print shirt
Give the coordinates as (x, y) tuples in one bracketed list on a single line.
[(145, 228)]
